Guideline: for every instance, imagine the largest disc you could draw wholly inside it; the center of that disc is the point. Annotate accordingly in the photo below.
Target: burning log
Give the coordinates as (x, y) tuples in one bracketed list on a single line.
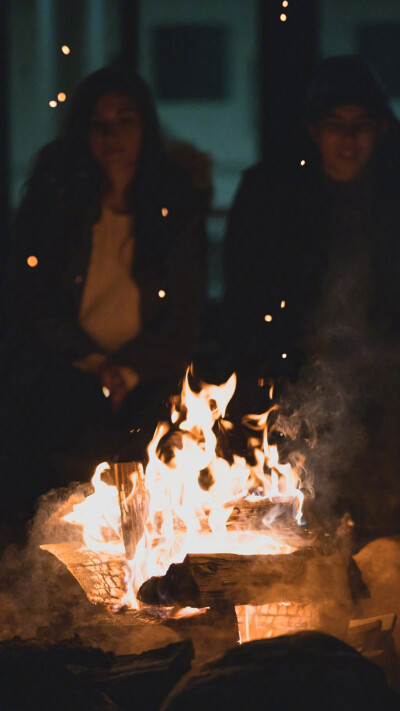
[(129, 480), (207, 580), (102, 577)]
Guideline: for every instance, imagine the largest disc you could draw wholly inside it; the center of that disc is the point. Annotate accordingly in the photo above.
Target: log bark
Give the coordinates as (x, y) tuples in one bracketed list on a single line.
[(207, 580), (101, 576)]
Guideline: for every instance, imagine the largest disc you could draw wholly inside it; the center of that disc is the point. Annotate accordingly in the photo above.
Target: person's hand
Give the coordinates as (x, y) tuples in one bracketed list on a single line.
[(117, 380), (113, 380)]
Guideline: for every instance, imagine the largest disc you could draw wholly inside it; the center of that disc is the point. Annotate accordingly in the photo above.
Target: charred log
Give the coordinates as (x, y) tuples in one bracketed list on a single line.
[(206, 580)]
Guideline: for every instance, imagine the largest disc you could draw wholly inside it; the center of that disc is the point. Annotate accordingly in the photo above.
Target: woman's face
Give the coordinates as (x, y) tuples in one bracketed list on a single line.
[(115, 136)]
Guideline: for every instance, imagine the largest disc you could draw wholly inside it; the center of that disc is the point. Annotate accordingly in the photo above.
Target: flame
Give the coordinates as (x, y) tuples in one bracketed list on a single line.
[(100, 517), (191, 495)]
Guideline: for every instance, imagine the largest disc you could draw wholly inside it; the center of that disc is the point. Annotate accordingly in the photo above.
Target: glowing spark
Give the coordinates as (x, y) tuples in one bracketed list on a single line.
[(32, 261), (61, 96), (284, 355), (52, 104), (161, 294), (65, 49), (268, 318), (106, 392), (283, 304), (164, 211), (285, 3), (283, 17)]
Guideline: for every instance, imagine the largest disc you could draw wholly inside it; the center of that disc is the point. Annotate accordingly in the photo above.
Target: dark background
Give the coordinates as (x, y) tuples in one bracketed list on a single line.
[(229, 77)]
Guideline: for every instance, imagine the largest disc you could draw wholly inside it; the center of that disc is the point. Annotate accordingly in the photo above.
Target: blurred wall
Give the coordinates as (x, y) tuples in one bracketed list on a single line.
[(367, 27), (224, 124), (225, 127), (39, 70), (254, 69)]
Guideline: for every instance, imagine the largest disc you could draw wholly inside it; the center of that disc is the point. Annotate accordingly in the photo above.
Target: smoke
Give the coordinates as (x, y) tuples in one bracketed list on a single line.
[(37, 596), (322, 582), (338, 415), (344, 413), (40, 599)]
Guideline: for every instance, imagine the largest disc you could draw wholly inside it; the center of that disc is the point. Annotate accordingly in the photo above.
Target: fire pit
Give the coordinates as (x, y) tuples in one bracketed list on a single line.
[(199, 529), (206, 543)]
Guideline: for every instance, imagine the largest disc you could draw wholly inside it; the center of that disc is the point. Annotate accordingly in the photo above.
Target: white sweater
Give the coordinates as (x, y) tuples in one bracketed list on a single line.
[(110, 306)]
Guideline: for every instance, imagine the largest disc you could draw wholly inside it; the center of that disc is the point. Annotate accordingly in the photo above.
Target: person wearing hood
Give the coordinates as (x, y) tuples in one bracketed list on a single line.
[(312, 297), (312, 246)]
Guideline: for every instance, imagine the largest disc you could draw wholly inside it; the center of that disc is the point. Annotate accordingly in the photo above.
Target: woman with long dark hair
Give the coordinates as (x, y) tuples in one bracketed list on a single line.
[(103, 290)]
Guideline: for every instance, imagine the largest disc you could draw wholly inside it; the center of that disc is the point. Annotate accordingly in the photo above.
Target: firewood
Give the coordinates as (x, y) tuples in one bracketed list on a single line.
[(144, 679), (132, 507), (203, 580), (101, 576), (220, 622), (206, 580), (248, 515)]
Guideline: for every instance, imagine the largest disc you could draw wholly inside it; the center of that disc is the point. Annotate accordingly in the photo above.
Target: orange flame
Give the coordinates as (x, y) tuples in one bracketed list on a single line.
[(190, 491)]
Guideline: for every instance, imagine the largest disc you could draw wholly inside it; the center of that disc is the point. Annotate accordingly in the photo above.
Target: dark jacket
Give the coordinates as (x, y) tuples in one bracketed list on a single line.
[(286, 229), (54, 224)]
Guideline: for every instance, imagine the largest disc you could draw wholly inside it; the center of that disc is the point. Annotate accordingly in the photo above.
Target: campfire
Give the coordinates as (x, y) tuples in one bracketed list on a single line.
[(181, 559), (201, 527)]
